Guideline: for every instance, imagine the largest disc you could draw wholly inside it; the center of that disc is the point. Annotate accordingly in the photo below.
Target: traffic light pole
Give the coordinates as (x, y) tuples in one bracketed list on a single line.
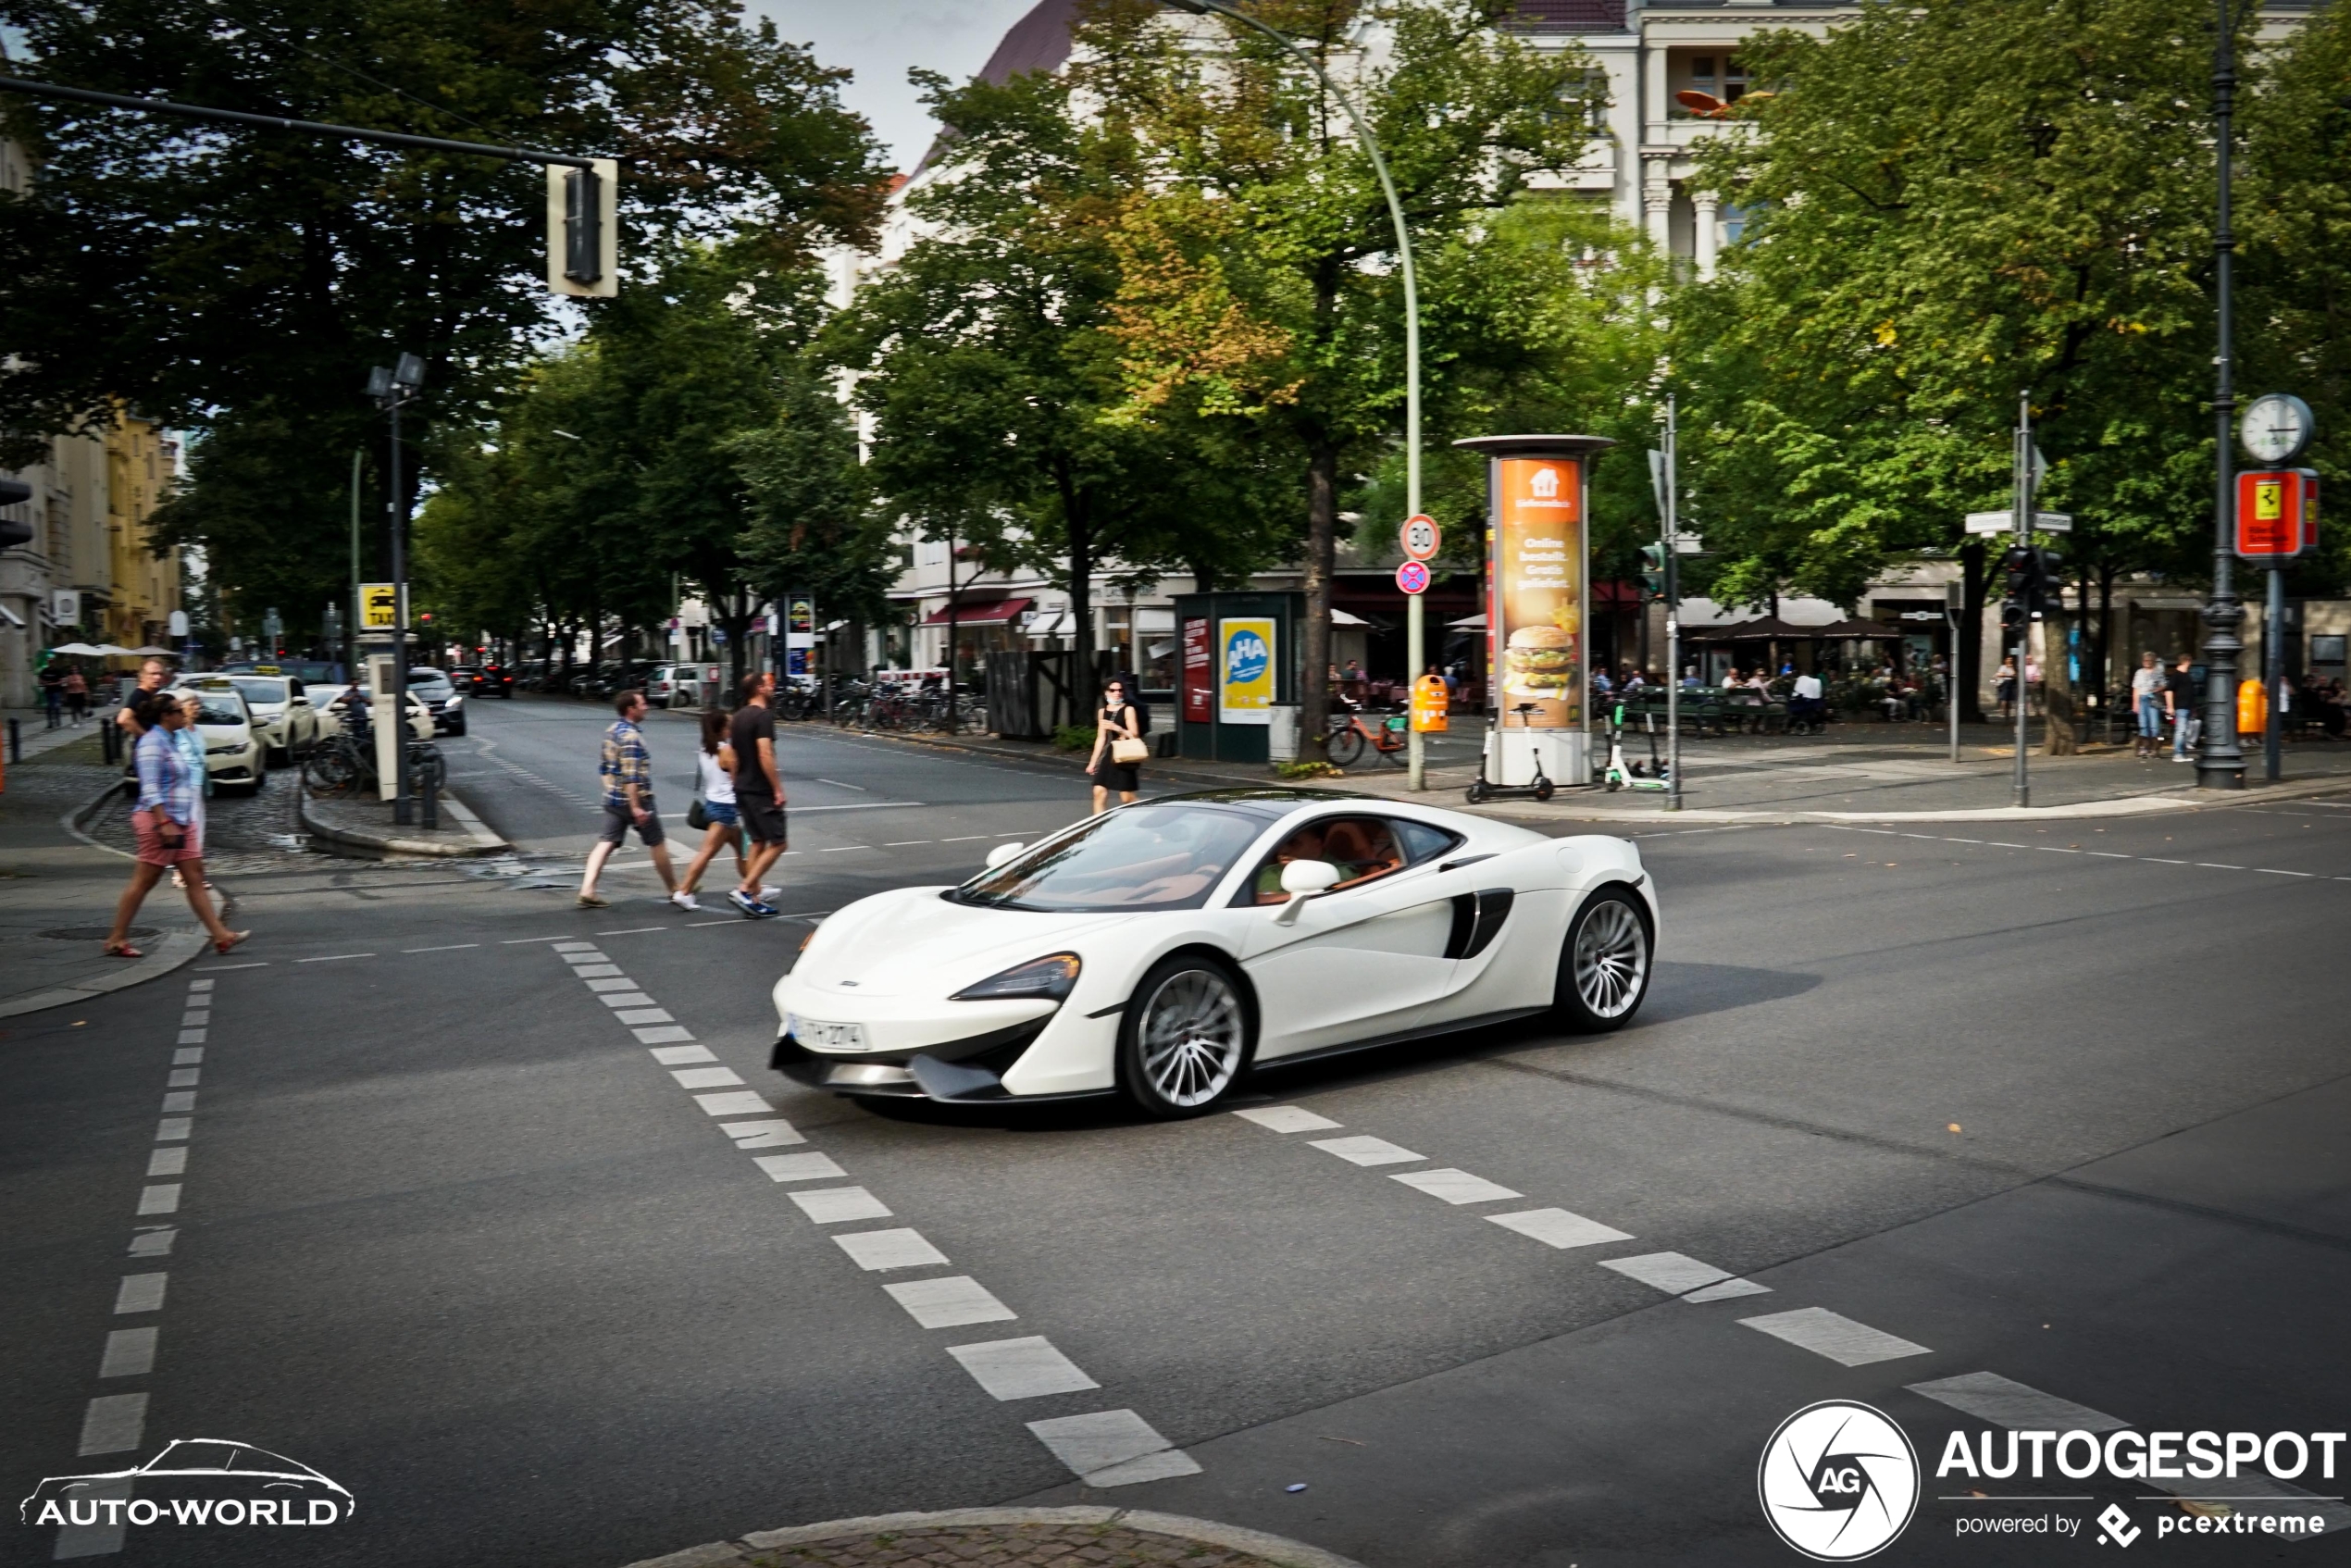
[(1670, 538), (2023, 519), (403, 809), (2273, 677)]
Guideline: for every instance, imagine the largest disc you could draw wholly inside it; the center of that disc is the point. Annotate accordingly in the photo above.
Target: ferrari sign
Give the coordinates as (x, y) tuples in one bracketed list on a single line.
[(378, 606), (2277, 514)]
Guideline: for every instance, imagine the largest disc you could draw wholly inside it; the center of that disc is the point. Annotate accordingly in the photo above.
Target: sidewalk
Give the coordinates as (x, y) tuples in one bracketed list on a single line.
[(1007, 1538), (1855, 772), (57, 890), (363, 823), (32, 725)]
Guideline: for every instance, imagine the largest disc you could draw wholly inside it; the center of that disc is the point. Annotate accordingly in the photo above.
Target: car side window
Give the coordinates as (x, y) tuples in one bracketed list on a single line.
[(1363, 848), (1422, 843)]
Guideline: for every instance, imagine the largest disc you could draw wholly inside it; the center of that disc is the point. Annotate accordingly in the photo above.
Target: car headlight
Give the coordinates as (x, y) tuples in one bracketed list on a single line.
[(1050, 977), (455, 700)]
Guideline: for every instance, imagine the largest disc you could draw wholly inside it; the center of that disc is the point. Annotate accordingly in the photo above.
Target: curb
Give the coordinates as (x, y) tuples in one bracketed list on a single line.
[(174, 948), (481, 839), (740, 1553)]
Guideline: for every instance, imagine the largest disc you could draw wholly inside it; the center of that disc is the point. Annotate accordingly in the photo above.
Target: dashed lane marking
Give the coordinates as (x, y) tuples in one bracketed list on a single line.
[(1285, 1118), (1367, 1150), (1987, 1396), (1112, 1447), (1027, 1368), (452, 947), (1455, 1186), (950, 1302), (874, 1250), (1677, 1274), (1560, 1228), (2102, 855), (836, 1206), (1839, 1338)]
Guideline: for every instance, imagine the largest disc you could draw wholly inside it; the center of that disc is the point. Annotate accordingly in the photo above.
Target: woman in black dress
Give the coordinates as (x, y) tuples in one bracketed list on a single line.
[(1117, 721)]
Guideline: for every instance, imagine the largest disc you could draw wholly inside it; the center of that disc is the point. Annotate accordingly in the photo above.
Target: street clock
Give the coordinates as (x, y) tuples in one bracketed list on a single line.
[(2276, 428)]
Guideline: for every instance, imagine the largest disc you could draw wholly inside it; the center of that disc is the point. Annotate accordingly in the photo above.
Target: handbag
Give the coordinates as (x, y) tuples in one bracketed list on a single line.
[(697, 818), (1126, 751)]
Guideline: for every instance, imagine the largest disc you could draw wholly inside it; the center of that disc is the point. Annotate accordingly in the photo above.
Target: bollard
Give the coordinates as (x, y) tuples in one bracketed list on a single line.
[(15, 739), (431, 782)]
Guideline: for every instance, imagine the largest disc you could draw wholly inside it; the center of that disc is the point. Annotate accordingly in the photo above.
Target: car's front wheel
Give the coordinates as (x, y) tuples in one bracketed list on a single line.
[(1185, 1037), (1604, 965)]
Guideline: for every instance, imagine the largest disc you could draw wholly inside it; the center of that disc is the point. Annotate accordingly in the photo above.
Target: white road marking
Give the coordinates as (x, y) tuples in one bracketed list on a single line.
[(222, 969), (700, 925), (2216, 865), (168, 1162), (1112, 1447), (799, 1167), (1558, 1228), (196, 1017), (334, 957), (771, 1134), (452, 947), (878, 1250), (1987, 1396), (131, 1352), (844, 848), (589, 953), (857, 805), (662, 1034), (625, 998), (968, 837), (2265, 871), (648, 1015), (140, 1293), (619, 982), (114, 1424), (679, 1055), (1285, 1119), (1021, 1369), (597, 972), (744, 1103), (160, 1199), (949, 1302), (184, 1077), (1677, 1274), (153, 1242), (831, 1205), (200, 985), (191, 1037), (188, 1058), (1841, 1339), (172, 1127), (2110, 854), (633, 930), (1455, 1186), (904, 843), (706, 1077), (184, 1100), (1367, 1150)]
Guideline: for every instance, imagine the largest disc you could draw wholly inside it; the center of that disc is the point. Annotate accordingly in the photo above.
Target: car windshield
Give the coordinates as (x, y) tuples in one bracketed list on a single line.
[(260, 689), (428, 682), (1139, 857), (216, 707)]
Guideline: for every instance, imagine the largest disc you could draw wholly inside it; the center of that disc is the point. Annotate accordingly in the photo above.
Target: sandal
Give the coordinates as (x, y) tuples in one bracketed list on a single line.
[(233, 938), (123, 950)]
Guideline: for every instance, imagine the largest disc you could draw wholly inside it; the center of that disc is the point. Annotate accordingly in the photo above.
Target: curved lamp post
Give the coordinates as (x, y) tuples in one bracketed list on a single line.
[(1416, 635)]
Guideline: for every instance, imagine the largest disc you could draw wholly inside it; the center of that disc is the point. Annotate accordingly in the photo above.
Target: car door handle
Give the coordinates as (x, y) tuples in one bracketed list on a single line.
[(1465, 860)]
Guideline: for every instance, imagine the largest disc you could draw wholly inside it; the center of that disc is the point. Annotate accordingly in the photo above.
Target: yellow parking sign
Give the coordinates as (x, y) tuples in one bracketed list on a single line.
[(378, 606)]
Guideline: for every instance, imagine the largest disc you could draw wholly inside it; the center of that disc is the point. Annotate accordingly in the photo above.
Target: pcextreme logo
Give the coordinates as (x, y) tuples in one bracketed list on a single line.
[(1838, 1481), (194, 1481)]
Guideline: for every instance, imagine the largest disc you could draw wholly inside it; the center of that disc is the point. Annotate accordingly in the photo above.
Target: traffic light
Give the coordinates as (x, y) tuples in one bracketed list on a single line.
[(1652, 573), (583, 228)]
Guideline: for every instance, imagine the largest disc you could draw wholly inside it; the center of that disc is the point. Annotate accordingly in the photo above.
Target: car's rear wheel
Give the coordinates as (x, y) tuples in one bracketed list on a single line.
[(1184, 1039), (1604, 963)]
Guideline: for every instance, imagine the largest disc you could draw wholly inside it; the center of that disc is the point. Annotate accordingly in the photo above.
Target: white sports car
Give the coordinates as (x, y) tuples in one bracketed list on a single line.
[(1161, 949)]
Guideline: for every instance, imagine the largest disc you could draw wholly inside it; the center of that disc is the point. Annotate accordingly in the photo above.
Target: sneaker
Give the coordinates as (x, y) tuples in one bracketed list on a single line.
[(753, 909), (589, 900), (684, 899)]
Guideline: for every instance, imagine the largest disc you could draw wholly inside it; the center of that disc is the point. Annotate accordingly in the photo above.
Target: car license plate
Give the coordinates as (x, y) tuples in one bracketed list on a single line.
[(831, 1037)]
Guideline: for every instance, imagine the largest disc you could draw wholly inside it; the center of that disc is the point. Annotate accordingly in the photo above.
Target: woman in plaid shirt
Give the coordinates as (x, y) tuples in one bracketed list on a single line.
[(170, 822)]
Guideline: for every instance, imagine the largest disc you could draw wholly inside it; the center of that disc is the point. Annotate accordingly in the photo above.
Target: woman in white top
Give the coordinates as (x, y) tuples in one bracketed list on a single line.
[(715, 784)]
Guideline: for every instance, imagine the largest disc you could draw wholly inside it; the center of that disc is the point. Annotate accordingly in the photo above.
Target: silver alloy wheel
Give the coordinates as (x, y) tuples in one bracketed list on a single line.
[(1611, 959), (1191, 1036)]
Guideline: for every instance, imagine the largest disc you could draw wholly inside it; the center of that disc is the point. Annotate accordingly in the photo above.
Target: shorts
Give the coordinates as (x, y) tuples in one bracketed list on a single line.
[(619, 820), (155, 850), (763, 817), (723, 813)]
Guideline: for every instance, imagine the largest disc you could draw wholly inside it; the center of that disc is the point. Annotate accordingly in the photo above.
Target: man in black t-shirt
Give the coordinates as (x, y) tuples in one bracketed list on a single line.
[(2179, 695), (759, 790)]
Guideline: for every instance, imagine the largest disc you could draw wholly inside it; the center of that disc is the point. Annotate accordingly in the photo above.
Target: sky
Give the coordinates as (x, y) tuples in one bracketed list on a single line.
[(880, 38)]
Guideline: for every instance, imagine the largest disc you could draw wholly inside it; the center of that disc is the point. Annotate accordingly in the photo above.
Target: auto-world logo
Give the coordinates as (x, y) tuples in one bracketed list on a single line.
[(1838, 1481), (194, 1481)]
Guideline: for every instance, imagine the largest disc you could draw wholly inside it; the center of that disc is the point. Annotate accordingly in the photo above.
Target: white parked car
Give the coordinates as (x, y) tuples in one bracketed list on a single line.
[(234, 751), (282, 711), (333, 700), (1162, 949)]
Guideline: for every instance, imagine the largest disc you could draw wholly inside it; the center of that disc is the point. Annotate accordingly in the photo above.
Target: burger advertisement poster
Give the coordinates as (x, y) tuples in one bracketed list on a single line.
[(1539, 588)]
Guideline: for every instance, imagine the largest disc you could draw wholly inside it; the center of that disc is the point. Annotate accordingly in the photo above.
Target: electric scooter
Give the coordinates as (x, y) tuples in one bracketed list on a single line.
[(1540, 788), (1616, 775)]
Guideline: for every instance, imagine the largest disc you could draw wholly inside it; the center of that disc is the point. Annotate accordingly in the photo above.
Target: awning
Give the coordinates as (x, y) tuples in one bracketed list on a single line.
[(1340, 617), (984, 612), (1467, 623)]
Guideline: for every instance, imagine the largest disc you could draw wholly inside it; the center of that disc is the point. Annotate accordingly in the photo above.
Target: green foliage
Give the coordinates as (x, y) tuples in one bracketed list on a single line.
[(1075, 737), (1294, 770)]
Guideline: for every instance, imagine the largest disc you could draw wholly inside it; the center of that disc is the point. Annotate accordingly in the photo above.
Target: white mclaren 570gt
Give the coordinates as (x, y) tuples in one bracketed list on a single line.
[(1161, 950)]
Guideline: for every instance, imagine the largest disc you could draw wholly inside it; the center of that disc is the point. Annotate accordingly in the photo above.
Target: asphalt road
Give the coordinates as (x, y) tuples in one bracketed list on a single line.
[(2063, 1105)]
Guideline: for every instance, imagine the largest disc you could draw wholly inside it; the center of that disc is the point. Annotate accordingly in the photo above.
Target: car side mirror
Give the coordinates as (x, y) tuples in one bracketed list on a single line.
[(1002, 853), (1302, 879)]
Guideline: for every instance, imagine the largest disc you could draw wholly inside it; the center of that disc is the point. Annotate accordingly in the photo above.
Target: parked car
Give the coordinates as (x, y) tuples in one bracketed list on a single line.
[(282, 711), (336, 699), (1162, 950), (235, 755)]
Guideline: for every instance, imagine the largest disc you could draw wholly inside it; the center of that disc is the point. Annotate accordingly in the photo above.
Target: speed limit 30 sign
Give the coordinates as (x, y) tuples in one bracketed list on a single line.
[(1421, 537)]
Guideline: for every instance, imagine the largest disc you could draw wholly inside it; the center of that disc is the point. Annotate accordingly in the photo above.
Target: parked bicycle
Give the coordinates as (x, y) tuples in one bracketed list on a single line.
[(1388, 737)]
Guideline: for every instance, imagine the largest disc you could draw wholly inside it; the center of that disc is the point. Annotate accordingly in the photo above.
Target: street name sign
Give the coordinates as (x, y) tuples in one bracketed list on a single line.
[(2004, 522)]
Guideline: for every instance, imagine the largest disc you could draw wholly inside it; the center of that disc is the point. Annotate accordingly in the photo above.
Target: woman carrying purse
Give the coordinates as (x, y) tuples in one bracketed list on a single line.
[(1119, 749)]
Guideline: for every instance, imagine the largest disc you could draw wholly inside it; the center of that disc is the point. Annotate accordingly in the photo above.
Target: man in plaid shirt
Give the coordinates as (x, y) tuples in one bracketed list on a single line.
[(627, 773)]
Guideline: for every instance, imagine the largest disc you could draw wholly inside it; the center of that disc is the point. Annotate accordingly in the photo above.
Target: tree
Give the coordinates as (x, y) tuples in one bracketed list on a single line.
[(1928, 237), (219, 278)]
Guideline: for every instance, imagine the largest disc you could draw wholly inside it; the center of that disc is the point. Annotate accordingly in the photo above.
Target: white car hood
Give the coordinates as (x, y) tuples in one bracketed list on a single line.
[(912, 943)]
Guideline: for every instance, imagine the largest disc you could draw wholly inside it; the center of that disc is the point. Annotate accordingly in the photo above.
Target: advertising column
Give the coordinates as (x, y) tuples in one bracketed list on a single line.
[(1537, 606)]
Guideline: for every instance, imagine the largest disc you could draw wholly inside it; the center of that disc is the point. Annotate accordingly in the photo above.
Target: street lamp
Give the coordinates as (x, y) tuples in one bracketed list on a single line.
[(2219, 765), (1415, 652), (390, 389)]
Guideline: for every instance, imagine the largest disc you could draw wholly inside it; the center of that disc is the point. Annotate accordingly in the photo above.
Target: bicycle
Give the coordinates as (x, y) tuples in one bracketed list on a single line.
[(1387, 738)]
